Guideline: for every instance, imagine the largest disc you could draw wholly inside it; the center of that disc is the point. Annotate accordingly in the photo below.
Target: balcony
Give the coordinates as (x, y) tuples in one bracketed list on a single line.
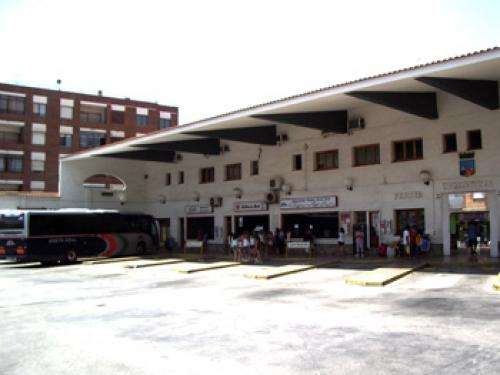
[(93, 114), (12, 105)]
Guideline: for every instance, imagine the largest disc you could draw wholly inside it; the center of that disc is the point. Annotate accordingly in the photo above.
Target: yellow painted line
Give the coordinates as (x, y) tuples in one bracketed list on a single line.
[(108, 260), (381, 276), (155, 263), (193, 267), (272, 272)]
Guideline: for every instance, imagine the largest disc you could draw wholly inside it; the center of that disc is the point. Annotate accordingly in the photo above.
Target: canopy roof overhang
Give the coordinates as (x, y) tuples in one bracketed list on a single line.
[(472, 77)]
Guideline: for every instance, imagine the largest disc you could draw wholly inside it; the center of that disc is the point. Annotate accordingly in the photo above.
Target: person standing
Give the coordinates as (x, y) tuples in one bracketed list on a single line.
[(360, 241), (406, 240), (472, 238), (341, 240)]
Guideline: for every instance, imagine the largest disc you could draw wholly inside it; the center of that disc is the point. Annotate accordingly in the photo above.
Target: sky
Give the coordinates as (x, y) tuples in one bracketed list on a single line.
[(211, 57)]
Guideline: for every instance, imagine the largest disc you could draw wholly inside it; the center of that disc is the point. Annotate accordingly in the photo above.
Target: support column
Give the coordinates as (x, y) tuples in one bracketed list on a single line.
[(493, 209), (445, 217), (368, 230)]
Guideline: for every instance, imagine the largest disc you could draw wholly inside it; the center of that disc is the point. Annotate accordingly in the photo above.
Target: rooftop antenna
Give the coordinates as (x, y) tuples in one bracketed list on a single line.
[(59, 84)]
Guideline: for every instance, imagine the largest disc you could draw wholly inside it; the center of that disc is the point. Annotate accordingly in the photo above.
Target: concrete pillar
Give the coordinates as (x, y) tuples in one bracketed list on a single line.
[(445, 209), (492, 206), (368, 230)]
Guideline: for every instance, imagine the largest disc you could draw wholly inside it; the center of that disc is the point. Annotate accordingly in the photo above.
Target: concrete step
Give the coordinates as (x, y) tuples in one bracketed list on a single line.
[(496, 283), (198, 267), (267, 273), (382, 276), (153, 263)]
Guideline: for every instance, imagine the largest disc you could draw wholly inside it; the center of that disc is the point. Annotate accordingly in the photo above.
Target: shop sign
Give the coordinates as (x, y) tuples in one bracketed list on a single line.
[(327, 201), (299, 245), (407, 195), (250, 206), (467, 164), (193, 209), (194, 244), (477, 185)]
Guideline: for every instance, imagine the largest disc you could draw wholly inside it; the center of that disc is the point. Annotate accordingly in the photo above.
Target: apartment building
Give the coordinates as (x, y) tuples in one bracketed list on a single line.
[(39, 126)]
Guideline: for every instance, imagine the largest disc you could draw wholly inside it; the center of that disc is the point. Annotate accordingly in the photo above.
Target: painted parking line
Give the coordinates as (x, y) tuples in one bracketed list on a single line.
[(198, 267), (266, 273), (153, 263), (381, 276)]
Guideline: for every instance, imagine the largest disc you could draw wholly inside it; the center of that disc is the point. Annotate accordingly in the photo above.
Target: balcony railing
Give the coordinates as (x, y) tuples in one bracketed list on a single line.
[(10, 138)]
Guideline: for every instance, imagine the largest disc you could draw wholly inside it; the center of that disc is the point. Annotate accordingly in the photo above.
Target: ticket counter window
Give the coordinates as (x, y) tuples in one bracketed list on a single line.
[(322, 225), (198, 227)]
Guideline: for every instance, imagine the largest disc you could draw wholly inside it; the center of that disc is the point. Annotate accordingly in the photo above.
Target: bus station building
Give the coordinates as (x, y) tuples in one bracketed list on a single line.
[(417, 147)]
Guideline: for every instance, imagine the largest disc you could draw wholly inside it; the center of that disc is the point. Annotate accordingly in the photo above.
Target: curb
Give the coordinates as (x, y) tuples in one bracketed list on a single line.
[(384, 282), (159, 263), (207, 268), (277, 273)]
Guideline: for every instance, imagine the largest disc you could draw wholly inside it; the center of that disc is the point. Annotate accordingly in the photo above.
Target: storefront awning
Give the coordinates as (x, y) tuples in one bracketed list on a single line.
[(261, 135), (204, 146), (144, 155), (327, 121)]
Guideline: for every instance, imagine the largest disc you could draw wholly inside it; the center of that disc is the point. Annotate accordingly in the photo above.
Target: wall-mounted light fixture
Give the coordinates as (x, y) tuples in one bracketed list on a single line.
[(237, 192), (349, 183), (426, 177)]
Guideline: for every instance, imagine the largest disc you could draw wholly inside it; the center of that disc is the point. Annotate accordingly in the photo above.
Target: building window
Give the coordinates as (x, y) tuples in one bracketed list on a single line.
[(254, 167), (92, 139), (412, 218), (11, 163), (180, 179), (408, 150), (67, 112), (207, 175), (92, 114), (11, 104), (37, 165), (168, 179), (13, 136), (326, 160), (40, 109), (66, 140), (164, 123), (366, 155), (233, 172), (449, 143), (474, 140), (142, 120), (38, 138), (297, 162), (117, 117)]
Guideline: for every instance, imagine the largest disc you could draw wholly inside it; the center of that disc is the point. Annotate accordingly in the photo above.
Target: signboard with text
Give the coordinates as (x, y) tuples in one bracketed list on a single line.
[(250, 206), (327, 201), (193, 209)]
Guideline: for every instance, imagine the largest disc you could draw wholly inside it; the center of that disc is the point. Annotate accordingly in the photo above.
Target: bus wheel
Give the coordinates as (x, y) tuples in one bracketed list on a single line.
[(71, 256), (141, 248)]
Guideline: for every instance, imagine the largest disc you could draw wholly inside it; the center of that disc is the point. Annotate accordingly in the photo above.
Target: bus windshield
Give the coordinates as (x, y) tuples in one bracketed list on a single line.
[(11, 223)]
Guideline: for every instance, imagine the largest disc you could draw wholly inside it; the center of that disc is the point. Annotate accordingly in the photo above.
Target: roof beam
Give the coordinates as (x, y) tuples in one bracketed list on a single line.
[(204, 146), (421, 104), (260, 135), (480, 92), (326, 121), (144, 155)]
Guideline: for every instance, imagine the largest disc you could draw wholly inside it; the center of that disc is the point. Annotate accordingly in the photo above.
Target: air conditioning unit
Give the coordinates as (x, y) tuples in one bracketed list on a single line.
[(357, 123), (273, 197), (178, 157), (276, 183), (216, 201)]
